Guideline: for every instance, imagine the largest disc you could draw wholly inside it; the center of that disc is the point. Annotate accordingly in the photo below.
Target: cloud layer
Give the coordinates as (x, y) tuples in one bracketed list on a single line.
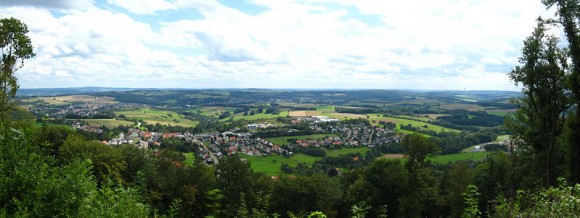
[(439, 44)]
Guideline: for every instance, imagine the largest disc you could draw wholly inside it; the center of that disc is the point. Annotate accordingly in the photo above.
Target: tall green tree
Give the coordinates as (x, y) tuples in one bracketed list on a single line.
[(568, 16), (15, 47), (540, 118)]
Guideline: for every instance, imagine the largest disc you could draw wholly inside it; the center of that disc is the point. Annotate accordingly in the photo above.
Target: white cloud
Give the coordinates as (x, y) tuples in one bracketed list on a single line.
[(143, 6), (436, 44)]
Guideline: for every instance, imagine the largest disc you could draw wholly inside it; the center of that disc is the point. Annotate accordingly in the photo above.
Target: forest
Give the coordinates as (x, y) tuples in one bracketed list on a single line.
[(54, 171)]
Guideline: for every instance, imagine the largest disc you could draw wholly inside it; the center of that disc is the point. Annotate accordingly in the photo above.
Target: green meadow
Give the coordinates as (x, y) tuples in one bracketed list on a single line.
[(162, 117), (284, 139)]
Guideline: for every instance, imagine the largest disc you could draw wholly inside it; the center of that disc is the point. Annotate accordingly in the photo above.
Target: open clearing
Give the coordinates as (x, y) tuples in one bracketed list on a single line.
[(345, 151), (501, 112), (158, 116), (343, 116), (63, 100), (304, 113), (395, 156), (240, 116), (109, 123), (271, 164), (431, 116), (284, 139), (448, 158), (215, 111), (469, 107), (414, 123)]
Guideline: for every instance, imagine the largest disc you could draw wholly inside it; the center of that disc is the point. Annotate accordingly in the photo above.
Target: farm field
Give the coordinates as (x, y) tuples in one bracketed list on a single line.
[(214, 111), (414, 123), (448, 158), (157, 116), (240, 116), (304, 113), (270, 165), (344, 151), (109, 123), (343, 116), (469, 107), (64, 100), (501, 113), (284, 139)]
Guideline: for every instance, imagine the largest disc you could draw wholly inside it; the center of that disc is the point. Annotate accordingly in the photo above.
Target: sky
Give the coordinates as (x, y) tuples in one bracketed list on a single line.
[(312, 44)]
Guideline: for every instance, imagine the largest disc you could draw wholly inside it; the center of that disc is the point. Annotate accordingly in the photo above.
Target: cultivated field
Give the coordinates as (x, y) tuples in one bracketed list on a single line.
[(63, 100), (414, 123), (343, 116), (109, 123), (499, 112), (345, 151), (158, 116), (304, 113), (431, 116), (257, 116), (469, 107), (214, 111)]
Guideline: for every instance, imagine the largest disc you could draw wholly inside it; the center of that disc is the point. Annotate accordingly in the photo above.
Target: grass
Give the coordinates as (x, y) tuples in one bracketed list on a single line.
[(257, 116), (158, 116), (109, 123), (68, 99), (414, 123), (215, 111), (469, 107), (502, 138), (270, 165), (284, 139), (39, 125), (189, 158), (449, 158), (344, 151), (501, 113)]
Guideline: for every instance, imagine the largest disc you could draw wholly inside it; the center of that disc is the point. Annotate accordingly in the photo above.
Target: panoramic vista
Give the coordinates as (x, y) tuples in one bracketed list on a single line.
[(253, 108)]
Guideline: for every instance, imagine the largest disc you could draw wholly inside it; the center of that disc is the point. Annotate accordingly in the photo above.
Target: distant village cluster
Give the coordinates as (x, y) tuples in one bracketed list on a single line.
[(212, 146)]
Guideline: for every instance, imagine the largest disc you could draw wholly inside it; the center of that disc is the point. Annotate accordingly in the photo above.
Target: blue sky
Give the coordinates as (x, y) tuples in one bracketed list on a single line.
[(346, 44)]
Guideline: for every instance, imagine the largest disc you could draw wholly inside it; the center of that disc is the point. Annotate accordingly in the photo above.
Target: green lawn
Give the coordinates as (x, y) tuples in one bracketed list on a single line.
[(502, 138), (344, 151), (284, 139), (270, 165), (189, 158), (215, 111), (414, 123), (448, 158), (109, 123), (240, 116), (162, 117)]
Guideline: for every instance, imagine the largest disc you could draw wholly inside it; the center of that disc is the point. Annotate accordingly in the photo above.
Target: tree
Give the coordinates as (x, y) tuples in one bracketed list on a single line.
[(418, 148), (568, 18), (15, 47), (540, 118)]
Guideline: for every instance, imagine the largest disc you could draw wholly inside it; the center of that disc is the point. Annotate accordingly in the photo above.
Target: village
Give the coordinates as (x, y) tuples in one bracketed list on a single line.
[(214, 145)]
